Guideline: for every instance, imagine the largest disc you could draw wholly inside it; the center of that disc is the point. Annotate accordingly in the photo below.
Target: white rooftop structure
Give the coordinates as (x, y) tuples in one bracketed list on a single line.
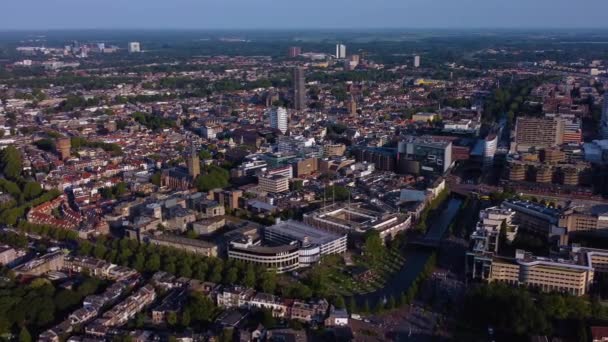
[(301, 231)]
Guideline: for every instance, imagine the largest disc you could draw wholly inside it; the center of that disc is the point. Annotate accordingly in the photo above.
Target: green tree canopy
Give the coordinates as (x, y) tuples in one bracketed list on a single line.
[(24, 335), (11, 162)]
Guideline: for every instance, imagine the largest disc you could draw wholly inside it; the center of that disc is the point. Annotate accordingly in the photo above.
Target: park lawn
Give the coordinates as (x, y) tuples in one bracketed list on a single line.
[(342, 284)]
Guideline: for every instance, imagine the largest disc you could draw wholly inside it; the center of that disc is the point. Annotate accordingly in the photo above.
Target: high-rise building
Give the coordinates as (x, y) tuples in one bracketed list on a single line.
[(271, 97), (274, 184), (572, 131), (538, 132), (384, 159), (134, 47), (294, 51), (422, 154), (351, 62), (299, 88), (604, 122), (278, 119), (64, 146), (489, 149), (340, 51), (194, 163), (416, 61), (351, 106)]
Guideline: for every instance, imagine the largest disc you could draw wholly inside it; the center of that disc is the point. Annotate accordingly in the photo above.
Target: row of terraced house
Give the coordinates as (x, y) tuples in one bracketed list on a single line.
[(247, 298)]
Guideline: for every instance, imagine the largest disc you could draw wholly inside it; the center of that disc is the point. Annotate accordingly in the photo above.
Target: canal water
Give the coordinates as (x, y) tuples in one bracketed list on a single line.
[(416, 258)]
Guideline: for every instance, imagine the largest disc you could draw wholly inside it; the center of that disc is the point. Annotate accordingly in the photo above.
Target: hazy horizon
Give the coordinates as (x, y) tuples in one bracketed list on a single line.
[(303, 15)]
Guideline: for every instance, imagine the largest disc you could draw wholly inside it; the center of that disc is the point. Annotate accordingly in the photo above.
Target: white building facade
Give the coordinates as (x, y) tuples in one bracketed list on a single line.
[(279, 119)]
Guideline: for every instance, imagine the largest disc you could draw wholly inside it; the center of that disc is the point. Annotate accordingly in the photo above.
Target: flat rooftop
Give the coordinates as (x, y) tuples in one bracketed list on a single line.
[(426, 140), (353, 215), (300, 231), (265, 250), (533, 207)]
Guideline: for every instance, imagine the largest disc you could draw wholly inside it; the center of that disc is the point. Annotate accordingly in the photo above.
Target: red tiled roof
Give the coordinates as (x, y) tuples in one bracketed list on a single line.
[(599, 332)]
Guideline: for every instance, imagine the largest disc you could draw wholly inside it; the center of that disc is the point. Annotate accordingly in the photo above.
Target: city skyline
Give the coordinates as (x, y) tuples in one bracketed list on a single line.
[(206, 170), (265, 14)]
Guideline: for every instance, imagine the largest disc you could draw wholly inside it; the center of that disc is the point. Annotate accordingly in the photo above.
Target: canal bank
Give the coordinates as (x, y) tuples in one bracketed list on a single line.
[(416, 260)]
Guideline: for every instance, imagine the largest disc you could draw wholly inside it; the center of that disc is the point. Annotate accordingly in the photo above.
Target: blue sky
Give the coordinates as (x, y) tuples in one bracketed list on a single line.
[(238, 14)]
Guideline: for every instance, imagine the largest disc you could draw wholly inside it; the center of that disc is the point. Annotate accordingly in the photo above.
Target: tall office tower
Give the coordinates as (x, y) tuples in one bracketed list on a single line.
[(134, 47), (294, 51), (278, 119), (604, 122), (340, 51), (194, 163), (489, 149), (351, 106), (416, 61), (299, 89), (64, 146), (538, 132), (271, 97)]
